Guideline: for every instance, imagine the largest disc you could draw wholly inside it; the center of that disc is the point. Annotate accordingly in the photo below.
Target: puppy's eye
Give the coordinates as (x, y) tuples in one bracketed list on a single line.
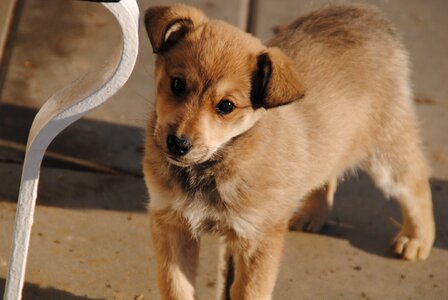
[(178, 86), (225, 106)]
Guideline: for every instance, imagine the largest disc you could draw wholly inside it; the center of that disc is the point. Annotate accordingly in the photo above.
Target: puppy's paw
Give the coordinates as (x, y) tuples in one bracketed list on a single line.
[(315, 209), (309, 220), (413, 248)]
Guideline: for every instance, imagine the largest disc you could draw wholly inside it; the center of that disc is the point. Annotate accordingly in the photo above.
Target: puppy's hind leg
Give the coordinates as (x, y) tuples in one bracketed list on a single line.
[(315, 210), (404, 176)]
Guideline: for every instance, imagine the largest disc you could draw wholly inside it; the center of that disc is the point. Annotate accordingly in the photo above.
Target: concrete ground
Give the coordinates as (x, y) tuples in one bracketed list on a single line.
[(91, 234)]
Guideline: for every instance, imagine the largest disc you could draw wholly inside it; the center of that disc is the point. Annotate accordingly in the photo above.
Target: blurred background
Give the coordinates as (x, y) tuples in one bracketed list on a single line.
[(91, 234)]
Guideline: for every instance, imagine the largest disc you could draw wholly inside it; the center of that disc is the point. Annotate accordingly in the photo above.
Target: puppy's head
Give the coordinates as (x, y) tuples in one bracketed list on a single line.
[(214, 82)]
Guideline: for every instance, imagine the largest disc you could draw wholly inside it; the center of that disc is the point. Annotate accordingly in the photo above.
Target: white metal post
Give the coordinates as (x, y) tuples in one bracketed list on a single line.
[(61, 110)]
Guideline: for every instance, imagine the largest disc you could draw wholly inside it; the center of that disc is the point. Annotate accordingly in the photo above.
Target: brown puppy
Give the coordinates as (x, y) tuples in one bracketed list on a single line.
[(241, 132)]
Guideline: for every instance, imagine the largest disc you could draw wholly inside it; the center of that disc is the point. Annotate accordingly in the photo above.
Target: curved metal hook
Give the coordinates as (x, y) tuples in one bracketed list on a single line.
[(61, 110)]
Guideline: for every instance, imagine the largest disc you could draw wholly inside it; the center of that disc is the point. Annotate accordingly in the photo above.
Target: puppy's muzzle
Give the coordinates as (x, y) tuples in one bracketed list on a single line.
[(178, 146)]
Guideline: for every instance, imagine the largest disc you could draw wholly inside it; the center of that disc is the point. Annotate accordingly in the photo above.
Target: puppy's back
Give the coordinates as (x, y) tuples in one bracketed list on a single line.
[(344, 26), (343, 37), (355, 72)]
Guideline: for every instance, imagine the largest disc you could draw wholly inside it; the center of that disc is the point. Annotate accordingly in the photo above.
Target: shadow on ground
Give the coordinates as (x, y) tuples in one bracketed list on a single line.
[(78, 190), (108, 154), (85, 145), (369, 221), (35, 292)]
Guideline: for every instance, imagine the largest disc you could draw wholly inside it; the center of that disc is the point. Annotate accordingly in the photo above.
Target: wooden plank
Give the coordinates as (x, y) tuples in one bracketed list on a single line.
[(7, 9)]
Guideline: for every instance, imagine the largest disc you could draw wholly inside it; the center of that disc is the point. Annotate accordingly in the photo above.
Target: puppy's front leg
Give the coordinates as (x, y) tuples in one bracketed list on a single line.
[(177, 256), (256, 265)]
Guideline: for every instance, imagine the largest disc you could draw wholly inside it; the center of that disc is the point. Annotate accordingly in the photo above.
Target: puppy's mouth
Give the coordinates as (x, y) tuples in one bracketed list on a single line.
[(176, 161), (185, 162)]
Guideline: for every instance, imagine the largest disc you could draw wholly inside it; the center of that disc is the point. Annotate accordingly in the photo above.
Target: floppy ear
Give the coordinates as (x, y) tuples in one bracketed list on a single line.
[(166, 25), (275, 80)]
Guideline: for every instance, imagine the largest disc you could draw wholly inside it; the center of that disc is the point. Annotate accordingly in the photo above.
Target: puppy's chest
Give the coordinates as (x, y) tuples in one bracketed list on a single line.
[(197, 183), (209, 203)]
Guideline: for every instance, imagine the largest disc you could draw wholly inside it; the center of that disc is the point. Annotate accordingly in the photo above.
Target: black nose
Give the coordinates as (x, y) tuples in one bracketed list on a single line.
[(178, 146)]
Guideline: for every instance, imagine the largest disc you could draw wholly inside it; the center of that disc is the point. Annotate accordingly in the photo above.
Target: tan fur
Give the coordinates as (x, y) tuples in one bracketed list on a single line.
[(336, 96)]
